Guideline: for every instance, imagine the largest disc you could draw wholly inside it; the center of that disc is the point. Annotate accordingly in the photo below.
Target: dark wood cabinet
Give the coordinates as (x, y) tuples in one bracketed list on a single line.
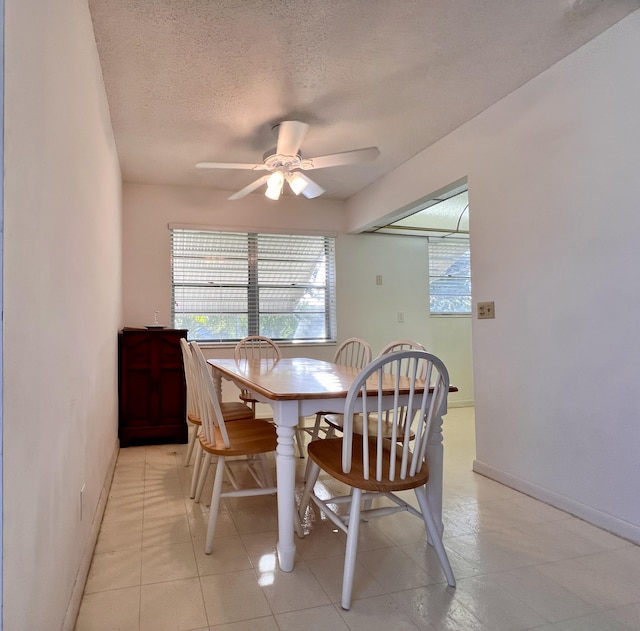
[(152, 388)]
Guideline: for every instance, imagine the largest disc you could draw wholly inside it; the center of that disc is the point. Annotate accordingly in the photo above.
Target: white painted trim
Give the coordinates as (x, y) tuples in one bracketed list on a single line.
[(213, 228), (595, 517), (460, 404), (83, 571), (2, 165)]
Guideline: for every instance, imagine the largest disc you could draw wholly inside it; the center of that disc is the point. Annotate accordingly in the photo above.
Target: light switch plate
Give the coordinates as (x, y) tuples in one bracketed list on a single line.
[(486, 311)]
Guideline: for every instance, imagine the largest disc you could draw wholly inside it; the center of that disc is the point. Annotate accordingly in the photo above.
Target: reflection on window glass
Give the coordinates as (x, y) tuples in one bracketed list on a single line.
[(449, 275)]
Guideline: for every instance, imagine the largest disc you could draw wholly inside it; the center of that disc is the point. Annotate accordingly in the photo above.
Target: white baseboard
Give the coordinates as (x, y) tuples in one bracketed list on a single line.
[(460, 404), (83, 571), (612, 524)]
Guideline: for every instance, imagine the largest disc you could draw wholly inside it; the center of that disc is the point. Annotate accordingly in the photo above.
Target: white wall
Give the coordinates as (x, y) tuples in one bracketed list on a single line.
[(62, 305), (553, 187), (364, 309)]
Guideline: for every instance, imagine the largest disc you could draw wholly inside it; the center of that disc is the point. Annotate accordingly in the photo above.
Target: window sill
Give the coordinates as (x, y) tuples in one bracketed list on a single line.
[(223, 345)]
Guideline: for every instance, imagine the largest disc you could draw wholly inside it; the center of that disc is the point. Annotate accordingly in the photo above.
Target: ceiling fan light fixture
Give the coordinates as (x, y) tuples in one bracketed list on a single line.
[(273, 192), (276, 179), (297, 183), (274, 185)]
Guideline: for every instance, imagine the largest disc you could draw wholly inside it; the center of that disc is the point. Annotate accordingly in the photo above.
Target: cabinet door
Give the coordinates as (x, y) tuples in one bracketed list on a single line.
[(169, 399), (137, 394)]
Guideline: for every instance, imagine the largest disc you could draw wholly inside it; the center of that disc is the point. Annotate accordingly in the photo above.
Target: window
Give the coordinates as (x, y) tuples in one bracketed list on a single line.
[(227, 285), (449, 276)]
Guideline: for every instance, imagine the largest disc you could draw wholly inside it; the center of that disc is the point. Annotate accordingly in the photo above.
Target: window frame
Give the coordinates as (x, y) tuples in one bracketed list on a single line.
[(311, 254)]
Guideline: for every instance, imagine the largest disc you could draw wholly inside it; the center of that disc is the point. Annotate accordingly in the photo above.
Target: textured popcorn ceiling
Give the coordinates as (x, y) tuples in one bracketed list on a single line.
[(205, 80)]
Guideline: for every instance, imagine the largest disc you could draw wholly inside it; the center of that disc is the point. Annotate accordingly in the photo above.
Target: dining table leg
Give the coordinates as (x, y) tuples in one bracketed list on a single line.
[(435, 458), (286, 419)]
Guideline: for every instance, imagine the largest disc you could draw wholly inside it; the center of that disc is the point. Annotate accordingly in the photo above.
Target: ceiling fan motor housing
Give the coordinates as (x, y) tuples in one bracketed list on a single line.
[(273, 160)]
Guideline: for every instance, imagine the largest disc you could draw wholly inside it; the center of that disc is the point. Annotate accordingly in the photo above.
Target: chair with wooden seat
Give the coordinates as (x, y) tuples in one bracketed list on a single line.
[(255, 347), (245, 442), (334, 421), (231, 411), (404, 344), (354, 352), (193, 412), (374, 467), (259, 347)]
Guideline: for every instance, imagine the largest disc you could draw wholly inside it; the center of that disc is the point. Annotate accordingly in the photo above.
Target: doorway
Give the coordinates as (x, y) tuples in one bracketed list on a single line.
[(442, 219)]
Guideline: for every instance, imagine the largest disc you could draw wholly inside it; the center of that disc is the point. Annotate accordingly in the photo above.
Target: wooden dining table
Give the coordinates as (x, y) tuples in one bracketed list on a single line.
[(298, 387)]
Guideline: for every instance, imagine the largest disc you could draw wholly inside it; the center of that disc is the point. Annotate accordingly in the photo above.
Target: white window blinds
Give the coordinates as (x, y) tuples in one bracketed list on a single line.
[(227, 285), (449, 275)]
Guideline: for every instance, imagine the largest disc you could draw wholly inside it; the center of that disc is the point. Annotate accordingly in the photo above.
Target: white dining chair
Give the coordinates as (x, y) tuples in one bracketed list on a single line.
[(375, 467), (404, 344), (259, 347), (255, 347), (243, 442), (194, 420), (232, 411), (334, 421), (354, 352)]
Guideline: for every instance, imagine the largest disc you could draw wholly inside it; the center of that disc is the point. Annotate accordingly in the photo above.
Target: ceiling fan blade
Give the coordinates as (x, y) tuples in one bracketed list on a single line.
[(290, 137), (231, 165), (250, 188), (339, 159), (312, 190)]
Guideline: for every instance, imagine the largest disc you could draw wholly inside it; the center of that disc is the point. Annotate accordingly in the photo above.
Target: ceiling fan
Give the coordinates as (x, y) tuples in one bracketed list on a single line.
[(285, 163)]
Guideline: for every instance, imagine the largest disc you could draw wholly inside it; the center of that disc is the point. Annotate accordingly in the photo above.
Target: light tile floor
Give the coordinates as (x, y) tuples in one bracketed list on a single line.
[(519, 563)]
